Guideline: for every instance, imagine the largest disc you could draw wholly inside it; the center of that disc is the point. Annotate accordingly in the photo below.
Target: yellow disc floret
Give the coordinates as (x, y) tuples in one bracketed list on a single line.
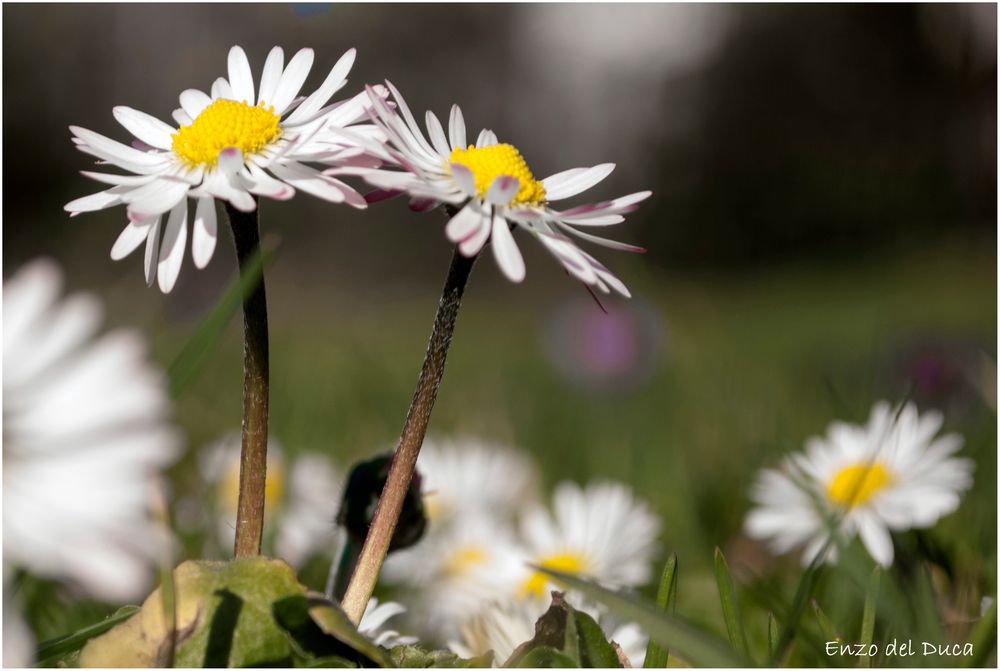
[(226, 123), (564, 563), (488, 163), (856, 484)]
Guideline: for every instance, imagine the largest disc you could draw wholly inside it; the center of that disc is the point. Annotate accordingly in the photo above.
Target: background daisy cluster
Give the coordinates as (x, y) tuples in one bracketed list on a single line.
[(821, 236)]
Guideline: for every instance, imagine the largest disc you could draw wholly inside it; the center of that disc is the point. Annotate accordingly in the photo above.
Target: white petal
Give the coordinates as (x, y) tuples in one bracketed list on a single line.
[(147, 128), (464, 178), (571, 182), (292, 79), (240, 77), (465, 223), (503, 189), (172, 251), (472, 245), (309, 180), (505, 250), (273, 66), (265, 185), (456, 128), (95, 201), (181, 117), (152, 252), (230, 160), (131, 237), (156, 197), (205, 232), (115, 151), (222, 89), (436, 132), (194, 102), (333, 83), (877, 539)]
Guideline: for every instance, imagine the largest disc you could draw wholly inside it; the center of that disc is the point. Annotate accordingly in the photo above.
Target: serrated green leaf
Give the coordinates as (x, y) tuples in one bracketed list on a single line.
[(730, 606), (58, 647), (698, 647), (544, 657), (571, 643), (334, 621), (868, 616), (223, 617), (658, 656), (416, 657)]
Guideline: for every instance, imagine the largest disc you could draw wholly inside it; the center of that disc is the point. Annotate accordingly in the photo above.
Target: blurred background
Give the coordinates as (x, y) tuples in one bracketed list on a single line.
[(822, 234)]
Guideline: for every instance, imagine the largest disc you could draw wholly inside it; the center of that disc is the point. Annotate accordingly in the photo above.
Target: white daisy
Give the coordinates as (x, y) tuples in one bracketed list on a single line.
[(308, 521), (454, 572), (300, 506), (470, 475), (494, 190), (601, 532), (891, 475), (231, 144), (86, 431), (375, 616)]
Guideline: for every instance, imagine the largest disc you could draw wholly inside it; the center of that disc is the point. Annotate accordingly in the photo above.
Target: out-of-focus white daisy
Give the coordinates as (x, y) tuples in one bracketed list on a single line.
[(600, 532), (494, 190), (893, 474), (301, 507), (86, 432), (231, 144), (454, 572), (308, 521), (375, 616), (467, 475)]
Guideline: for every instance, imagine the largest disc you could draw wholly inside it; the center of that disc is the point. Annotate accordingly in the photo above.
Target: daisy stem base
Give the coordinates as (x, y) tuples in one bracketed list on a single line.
[(253, 455), (404, 461)]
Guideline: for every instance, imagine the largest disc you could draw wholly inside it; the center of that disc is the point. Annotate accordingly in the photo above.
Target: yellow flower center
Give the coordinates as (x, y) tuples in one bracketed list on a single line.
[(856, 484), (566, 563), (274, 487), (464, 560), (226, 123), (488, 163)]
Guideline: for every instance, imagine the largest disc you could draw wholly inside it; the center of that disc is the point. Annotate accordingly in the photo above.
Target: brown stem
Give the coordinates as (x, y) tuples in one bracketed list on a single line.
[(253, 456), (390, 504)]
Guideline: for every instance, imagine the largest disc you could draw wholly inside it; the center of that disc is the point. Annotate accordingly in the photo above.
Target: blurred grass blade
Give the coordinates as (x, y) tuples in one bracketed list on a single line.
[(658, 655), (57, 647), (772, 634), (825, 625), (730, 606), (198, 349), (802, 595), (983, 638), (698, 647), (868, 617)]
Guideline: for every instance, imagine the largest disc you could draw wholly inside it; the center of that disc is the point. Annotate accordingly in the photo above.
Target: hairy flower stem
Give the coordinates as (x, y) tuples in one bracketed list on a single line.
[(253, 456), (369, 563)]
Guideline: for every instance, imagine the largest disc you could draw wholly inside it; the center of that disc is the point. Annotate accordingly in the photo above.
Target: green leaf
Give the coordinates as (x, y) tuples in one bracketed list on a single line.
[(594, 649), (58, 647), (657, 656), (698, 647), (415, 657), (825, 624), (772, 634), (571, 644), (334, 622), (983, 638), (224, 617), (868, 616), (544, 657), (730, 606), (198, 349)]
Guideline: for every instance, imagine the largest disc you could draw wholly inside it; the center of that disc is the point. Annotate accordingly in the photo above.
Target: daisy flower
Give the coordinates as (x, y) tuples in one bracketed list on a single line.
[(86, 431), (468, 474), (601, 532), (893, 474), (375, 616), (493, 191), (300, 503), (233, 144)]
